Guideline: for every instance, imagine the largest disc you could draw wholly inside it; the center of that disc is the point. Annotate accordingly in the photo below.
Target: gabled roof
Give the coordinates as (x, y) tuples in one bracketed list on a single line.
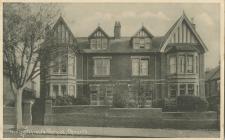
[(143, 28), (175, 26), (61, 20), (213, 74), (99, 29)]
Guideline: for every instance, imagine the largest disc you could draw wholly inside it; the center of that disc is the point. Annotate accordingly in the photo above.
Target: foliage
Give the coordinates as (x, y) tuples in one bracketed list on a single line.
[(191, 103), (214, 102), (158, 103), (11, 103), (63, 100), (81, 100), (23, 30), (120, 100)]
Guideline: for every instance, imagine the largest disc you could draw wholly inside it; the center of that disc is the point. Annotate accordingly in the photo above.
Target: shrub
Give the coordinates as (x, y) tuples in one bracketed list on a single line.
[(81, 100), (11, 103), (63, 100), (158, 103), (214, 102), (120, 100), (191, 103), (170, 104)]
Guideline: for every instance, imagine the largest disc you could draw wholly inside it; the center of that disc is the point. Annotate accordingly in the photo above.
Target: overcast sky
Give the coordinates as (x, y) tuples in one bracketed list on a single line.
[(157, 18)]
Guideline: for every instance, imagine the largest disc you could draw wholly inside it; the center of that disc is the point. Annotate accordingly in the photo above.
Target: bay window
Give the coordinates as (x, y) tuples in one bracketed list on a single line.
[(60, 65), (140, 66), (101, 66)]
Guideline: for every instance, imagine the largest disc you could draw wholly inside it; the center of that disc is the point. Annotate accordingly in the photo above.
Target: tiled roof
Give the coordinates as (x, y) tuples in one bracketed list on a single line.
[(213, 74), (122, 45)]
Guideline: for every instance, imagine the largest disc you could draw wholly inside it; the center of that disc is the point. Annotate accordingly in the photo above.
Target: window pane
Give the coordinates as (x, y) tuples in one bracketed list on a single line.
[(173, 91), (98, 43), (63, 90), (191, 89), (104, 43), (172, 64), (182, 89), (55, 90), (135, 66), (142, 43), (190, 64), (93, 43), (102, 67), (136, 43), (144, 67), (181, 63)]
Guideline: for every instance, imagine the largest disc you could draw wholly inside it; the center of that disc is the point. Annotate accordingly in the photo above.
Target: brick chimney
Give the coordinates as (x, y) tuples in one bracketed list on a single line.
[(117, 29)]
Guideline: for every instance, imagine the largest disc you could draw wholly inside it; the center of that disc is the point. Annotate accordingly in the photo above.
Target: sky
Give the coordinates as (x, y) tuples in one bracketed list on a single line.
[(156, 17)]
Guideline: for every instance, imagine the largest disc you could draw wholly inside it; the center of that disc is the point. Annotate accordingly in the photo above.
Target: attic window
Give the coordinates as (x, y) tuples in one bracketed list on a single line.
[(141, 43), (98, 43)]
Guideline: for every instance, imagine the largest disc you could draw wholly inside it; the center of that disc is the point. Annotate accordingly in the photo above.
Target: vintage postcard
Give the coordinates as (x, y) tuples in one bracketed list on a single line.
[(113, 70)]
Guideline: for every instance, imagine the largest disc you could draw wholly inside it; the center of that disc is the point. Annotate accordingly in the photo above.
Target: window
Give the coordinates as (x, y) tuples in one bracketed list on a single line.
[(94, 92), (182, 89), (141, 43), (109, 91), (99, 43), (173, 91), (172, 64), (72, 90), (60, 65), (102, 66), (139, 67), (55, 90), (182, 64), (190, 64), (63, 90), (190, 89)]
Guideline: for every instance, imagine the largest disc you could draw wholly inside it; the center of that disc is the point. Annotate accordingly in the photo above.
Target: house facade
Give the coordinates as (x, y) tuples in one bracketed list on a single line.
[(99, 65)]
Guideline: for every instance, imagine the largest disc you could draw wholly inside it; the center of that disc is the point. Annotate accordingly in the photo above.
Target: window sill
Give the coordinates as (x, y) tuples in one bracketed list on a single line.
[(140, 75), (99, 76)]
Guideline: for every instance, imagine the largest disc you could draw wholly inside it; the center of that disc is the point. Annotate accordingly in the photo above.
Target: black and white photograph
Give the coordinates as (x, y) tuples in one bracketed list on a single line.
[(112, 70)]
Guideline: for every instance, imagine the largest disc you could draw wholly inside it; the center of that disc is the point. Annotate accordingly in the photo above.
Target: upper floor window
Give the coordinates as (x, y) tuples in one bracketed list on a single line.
[(173, 91), (60, 66), (181, 59), (182, 64), (102, 66), (140, 66), (99, 43), (142, 39), (190, 64), (172, 64)]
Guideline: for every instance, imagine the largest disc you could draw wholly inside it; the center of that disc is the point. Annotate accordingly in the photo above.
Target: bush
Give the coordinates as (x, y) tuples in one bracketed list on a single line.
[(63, 100), (214, 102), (191, 103), (120, 100), (11, 103), (158, 103), (81, 100)]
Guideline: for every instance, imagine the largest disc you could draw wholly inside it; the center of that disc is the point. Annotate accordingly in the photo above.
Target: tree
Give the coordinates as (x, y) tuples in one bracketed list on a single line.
[(23, 31)]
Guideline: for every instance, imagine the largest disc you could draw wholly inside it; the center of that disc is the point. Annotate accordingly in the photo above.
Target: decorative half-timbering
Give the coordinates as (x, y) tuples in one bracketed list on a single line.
[(99, 39), (183, 34), (62, 33), (142, 39)]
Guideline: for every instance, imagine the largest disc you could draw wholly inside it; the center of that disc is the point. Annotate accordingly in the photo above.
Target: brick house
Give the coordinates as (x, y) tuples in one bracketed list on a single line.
[(98, 65)]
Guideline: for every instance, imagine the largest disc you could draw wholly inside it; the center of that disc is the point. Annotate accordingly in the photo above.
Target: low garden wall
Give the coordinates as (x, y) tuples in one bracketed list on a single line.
[(9, 115), (104, 116)]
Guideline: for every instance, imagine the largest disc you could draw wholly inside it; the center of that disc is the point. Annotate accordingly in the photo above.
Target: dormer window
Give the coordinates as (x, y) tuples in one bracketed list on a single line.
[(99, 43), (142, 39), (99, 39)]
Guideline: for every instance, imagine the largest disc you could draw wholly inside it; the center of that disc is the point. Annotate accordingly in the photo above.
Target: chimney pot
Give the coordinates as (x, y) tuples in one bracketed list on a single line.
[(117, 30)]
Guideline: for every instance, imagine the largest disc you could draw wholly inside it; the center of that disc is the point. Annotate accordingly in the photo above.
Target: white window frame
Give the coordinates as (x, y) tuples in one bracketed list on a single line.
[(107, 61), (139, 60)]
